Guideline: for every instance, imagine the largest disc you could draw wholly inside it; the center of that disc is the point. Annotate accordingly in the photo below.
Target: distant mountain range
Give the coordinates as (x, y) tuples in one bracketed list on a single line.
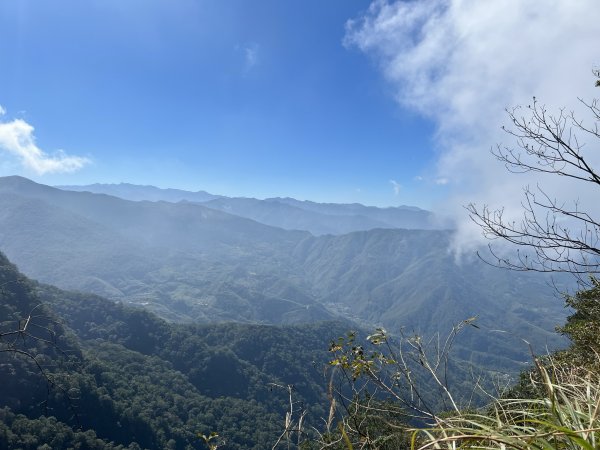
[(286, 213), (188, 262), (136, 192)]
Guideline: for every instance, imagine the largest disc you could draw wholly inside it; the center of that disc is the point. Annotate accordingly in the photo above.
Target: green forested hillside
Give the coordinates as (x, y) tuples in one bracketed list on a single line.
[(409, 279), (188, 263), (115, 376)]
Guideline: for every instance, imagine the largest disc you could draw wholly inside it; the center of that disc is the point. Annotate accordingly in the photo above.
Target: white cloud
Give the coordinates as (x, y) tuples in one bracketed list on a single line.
[(2, 110), (460, 63), (250, 56), (396, 186), (16, 138)]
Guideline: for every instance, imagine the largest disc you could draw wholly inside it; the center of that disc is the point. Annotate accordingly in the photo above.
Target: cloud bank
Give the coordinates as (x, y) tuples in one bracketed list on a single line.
[(461, 63), (17, 138)]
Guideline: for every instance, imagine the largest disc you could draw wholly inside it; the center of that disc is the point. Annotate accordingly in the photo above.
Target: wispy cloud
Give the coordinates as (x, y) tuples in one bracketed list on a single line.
[(460, 63), (251, 56), (396, 186), (2, 110), (17, 138)]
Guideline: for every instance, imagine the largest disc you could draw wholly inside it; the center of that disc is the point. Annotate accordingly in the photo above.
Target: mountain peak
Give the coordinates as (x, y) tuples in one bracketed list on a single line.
[(22, 184), (16, 179)]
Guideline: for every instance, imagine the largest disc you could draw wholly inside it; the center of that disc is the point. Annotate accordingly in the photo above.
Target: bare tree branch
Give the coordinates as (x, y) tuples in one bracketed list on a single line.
[(551, 236)]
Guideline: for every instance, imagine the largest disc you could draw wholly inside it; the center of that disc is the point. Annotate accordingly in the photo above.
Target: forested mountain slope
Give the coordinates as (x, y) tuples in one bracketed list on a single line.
[(122, 377), (180, 226), (190, 263), (408, 278), (185, 261)]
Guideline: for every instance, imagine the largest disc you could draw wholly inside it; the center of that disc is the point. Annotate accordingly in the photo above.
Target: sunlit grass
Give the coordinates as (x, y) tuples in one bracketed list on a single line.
[(565, 417)]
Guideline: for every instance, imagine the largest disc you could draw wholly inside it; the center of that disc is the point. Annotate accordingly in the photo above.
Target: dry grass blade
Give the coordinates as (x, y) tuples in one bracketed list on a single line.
[(567, 417)]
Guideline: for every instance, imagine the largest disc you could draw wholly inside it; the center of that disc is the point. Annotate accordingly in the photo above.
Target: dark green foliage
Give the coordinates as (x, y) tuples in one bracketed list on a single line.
[(524, 388), (47, 433), (34, 346), (367, 424), (140, 381), (583, 328)]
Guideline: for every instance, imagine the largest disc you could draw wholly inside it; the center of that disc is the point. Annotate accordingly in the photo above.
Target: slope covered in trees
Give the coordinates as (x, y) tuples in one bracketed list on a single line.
[(189, 263), (116, 377)]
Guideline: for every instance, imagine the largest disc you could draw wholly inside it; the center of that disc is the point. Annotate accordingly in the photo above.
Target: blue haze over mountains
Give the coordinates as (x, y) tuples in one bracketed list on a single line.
[(287, 213), (188, 260)]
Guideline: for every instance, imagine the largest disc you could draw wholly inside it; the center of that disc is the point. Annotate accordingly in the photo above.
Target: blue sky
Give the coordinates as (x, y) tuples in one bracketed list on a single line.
[(382, 102), (233, 97)]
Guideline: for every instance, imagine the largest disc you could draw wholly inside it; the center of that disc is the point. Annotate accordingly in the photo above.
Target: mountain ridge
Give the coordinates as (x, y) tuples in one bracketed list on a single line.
[(194, 264), (135, 192), (284, 212)]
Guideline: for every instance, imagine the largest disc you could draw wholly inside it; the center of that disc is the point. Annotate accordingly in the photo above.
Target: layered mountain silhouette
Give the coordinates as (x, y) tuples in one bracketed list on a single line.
[(287, 213), (191, 263), (136, 192)]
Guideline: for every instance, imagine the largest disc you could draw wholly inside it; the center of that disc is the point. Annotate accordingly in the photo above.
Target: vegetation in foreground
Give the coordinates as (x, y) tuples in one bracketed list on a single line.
[(556, 405)]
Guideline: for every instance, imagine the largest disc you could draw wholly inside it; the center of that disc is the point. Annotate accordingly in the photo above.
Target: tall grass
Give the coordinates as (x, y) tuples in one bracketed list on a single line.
[(566, 416)]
